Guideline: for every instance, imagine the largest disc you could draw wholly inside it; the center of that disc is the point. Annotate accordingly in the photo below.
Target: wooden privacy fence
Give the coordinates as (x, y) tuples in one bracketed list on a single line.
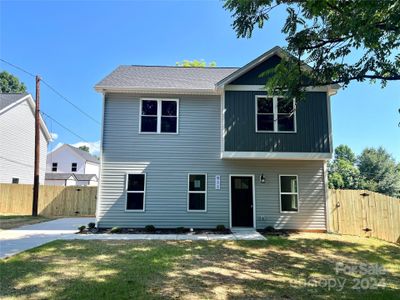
[(364, 213), (16, 199)]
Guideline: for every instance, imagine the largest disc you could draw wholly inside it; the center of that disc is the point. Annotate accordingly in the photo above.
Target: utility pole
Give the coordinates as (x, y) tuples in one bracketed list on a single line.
[(37, 150)]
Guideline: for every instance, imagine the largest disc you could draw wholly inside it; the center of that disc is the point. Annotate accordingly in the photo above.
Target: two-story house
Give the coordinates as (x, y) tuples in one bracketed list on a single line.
[(68, 165), (198, 147), (17, 139)]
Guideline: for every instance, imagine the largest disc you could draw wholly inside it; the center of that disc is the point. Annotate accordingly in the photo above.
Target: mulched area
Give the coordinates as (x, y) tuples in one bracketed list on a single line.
[(156, 231)]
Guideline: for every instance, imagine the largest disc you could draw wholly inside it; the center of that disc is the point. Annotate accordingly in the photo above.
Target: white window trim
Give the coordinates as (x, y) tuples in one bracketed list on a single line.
[(72, 166), (275, 115), (197, 192), (286, 193), (126, 192), (159, 115)]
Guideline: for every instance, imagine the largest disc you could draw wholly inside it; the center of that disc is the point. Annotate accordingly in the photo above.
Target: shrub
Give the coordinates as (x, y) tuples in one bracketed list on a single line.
[(116, 230), (91, 225), (81, 228), (181, 229), (269, 229), (220, 227), (149, 228)]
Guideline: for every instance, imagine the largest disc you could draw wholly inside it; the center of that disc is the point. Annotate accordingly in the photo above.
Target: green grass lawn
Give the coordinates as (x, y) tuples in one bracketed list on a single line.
[(274, 269), (8, 222)]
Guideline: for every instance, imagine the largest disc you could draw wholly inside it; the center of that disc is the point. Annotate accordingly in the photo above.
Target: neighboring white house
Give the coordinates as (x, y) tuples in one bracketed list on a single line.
[(68, 165), (17, 139)]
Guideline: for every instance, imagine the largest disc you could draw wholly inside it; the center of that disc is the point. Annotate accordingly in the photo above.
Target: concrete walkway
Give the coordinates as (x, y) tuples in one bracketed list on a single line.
[(16, 240), (26, 237)]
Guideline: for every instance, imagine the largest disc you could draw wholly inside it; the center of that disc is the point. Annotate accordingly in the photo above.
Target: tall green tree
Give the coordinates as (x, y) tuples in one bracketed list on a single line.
[(342, 171), (379, 171), (323, 34), (11, 84), (84, 148), (195, 63)]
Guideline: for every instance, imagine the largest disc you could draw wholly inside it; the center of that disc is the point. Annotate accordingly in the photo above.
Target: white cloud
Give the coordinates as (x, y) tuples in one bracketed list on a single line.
[(54, 136), (94, 147)]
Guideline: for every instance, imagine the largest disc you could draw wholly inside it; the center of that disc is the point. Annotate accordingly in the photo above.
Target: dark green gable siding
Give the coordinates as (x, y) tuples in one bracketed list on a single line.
[(253, 76), (312, 125)]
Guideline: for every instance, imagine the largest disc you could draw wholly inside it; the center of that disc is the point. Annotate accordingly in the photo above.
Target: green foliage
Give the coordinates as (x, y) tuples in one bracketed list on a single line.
[(91, 225), (81, 228), (220, 227), (373, 170), (11, 84), (116, 230), (84, 148), (195, 63), (344, 152), (182, 229), (323, 34), (379, 171), (149, 228)]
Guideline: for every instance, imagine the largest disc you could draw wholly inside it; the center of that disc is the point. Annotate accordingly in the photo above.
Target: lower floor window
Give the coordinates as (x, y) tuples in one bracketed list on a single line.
[(15, 180), (197, 192), (135, 191), (289, 193)]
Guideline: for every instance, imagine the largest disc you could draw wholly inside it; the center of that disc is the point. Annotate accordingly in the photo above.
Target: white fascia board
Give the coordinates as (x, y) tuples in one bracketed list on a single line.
[(261, 88), (106, 89), (276, 155)]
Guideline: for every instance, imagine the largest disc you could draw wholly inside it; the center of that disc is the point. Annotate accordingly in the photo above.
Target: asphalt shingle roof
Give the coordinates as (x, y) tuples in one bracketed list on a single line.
[(8, 99), (85, 155), (81, 177), (164, 77), (58, 176)]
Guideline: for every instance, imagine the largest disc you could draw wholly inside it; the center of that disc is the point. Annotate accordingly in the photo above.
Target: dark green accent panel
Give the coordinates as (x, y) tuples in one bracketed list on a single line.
[(252, 77), (312, 125)]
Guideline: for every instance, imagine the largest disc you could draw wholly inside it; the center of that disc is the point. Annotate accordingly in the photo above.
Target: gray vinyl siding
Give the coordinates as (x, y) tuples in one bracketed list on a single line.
[(167, 160), (312, 121)]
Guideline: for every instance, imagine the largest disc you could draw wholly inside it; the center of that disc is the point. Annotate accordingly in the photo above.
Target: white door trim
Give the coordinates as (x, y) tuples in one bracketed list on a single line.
[(230, 197)]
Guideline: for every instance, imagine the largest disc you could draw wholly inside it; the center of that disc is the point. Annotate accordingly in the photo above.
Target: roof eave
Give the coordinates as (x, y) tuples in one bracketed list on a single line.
[(111, 89)]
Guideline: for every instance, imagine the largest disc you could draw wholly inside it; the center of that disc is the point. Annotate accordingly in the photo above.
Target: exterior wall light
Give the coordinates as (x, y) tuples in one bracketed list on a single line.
[(262, 178)]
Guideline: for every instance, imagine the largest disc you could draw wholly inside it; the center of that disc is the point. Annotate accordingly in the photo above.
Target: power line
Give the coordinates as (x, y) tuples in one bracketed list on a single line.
[(54, 90), (17, 67), (63, 126), (66, 99)]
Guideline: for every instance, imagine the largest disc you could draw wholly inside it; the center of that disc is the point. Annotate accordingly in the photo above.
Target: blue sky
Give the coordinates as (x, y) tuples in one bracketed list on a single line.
[(74, 44)]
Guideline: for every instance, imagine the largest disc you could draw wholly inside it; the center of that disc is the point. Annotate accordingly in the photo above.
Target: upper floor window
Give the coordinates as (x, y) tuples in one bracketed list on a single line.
[(54, 167), (74, 167), (159, 115), (275, 114)]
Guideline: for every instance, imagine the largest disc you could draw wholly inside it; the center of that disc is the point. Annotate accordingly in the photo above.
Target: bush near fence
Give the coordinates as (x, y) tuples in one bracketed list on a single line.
[(364, 213), (16, 199)]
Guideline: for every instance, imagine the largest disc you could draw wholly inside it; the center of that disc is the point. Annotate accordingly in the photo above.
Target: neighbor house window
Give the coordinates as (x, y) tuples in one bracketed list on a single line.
[(74, 167), (15, 180), (289, 194), (197, 192), (54, 167), (135, 192), (159, 116), (275, 114)]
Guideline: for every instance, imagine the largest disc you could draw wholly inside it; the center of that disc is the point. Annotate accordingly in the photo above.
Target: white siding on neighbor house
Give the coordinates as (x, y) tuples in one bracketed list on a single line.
[(167, 160), (64, 158), (17, 140), (92, 168), (69, 182)]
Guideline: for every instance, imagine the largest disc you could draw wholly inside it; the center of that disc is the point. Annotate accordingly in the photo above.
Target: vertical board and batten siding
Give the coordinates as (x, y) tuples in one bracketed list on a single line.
[(17, 135), (167, 160), (312, 133)]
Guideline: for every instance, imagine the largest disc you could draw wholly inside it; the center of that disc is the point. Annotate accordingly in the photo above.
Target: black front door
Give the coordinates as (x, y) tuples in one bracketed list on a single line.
[(242, 201)]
